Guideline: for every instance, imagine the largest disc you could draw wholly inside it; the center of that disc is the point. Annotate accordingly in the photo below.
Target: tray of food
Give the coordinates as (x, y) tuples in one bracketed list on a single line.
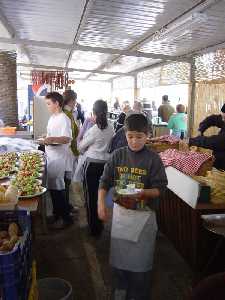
[(128, 191), (28, 187), (8, 164)]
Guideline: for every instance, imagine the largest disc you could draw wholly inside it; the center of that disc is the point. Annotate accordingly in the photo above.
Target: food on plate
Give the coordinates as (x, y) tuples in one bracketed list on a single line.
[(7, 164), (27, 185)]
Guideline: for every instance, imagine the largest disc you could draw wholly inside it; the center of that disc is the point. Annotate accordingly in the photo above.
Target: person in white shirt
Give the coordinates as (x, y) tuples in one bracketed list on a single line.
[(94, 147), (59, 136)]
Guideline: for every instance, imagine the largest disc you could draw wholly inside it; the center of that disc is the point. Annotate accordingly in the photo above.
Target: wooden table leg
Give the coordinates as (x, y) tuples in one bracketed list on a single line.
[(43, 209)]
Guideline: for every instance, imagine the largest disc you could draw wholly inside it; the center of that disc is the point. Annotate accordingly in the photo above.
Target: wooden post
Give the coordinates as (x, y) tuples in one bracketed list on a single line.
[(136, 89), (191, 102)]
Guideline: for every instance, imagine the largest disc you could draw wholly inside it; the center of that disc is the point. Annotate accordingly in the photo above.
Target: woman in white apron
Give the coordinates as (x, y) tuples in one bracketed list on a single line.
[(59, 135)]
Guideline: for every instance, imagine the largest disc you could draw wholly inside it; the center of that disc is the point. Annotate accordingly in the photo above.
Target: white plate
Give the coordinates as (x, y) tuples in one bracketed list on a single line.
[(125, 192), (4, 177), (35, 195)]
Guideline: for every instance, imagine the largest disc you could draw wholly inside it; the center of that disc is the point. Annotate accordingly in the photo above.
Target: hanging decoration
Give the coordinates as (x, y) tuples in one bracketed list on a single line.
[(56, 79)]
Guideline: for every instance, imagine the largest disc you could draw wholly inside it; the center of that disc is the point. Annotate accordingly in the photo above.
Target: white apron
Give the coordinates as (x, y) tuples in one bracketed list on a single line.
[(57, 165), (59, 157), (133, 239)]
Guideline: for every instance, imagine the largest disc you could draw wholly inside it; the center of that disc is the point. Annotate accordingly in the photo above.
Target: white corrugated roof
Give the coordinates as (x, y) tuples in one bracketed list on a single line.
[(129, 34)]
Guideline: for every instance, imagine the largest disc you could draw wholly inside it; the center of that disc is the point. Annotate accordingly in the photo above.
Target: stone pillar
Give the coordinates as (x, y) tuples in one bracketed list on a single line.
[(8, 89)]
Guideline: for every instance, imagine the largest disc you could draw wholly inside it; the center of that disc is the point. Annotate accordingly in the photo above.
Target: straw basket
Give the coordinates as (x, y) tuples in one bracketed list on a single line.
[(205, 167), (160, 147)]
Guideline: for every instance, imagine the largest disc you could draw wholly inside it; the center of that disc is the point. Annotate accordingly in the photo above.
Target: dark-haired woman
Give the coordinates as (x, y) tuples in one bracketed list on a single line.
[(57, 143), (94, 147)]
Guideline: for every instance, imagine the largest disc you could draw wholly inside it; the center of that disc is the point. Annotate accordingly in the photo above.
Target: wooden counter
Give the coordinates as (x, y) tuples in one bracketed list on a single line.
[(181, 222)]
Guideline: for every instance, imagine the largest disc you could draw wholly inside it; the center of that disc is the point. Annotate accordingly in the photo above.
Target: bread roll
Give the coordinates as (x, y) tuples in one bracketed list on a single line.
[(11, 193), (13, 230)]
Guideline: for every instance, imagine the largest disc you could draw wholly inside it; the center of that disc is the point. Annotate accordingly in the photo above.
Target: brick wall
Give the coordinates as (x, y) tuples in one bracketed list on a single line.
[(8, 89)]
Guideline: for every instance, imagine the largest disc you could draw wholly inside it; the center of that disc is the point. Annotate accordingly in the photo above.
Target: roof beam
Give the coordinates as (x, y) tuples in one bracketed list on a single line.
[(86, 10), (208, 49), (53, 45), (6, 24), (127, 52), (44, 67)]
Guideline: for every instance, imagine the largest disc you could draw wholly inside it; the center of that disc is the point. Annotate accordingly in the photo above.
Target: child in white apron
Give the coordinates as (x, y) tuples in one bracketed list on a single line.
[(58, 153), (133, 230)]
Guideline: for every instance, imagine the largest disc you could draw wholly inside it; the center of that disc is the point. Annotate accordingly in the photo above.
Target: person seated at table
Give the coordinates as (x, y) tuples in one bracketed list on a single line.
[(178, 122)]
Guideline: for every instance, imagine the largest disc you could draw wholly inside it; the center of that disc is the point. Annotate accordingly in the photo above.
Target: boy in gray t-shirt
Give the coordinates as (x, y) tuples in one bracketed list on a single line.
[(133, 231)]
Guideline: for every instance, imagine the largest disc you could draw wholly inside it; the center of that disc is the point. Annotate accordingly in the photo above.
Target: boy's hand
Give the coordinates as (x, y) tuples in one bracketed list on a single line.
[(141, 195), (147, 194), (103, 212)]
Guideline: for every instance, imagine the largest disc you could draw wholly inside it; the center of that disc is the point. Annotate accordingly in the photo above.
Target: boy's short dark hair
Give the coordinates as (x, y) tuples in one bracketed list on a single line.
[(55, 97), (136, 122)]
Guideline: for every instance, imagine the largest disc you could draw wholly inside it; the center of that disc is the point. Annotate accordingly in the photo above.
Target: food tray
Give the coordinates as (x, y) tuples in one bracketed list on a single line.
[(34, 195)]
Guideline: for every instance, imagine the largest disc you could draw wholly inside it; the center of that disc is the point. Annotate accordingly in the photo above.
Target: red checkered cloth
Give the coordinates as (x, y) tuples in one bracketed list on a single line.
[(170, 139), (187, 162)]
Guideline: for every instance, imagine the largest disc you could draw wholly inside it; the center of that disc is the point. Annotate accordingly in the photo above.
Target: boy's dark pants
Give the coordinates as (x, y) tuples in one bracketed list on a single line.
[(131, 285)]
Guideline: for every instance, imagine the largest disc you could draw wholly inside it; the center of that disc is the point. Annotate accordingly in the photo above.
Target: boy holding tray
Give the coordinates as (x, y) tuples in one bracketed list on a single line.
[(133, 228)]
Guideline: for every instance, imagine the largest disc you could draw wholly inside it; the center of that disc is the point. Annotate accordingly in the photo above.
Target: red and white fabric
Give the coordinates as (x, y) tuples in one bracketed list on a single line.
[(187, 162)]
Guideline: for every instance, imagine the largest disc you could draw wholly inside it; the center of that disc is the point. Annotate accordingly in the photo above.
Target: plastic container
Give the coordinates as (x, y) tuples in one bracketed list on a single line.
[(54, 289), (7, 130), (15, 266)]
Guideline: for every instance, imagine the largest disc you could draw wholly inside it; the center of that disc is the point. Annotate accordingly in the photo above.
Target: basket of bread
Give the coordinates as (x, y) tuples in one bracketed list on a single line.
[(8, 197)]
